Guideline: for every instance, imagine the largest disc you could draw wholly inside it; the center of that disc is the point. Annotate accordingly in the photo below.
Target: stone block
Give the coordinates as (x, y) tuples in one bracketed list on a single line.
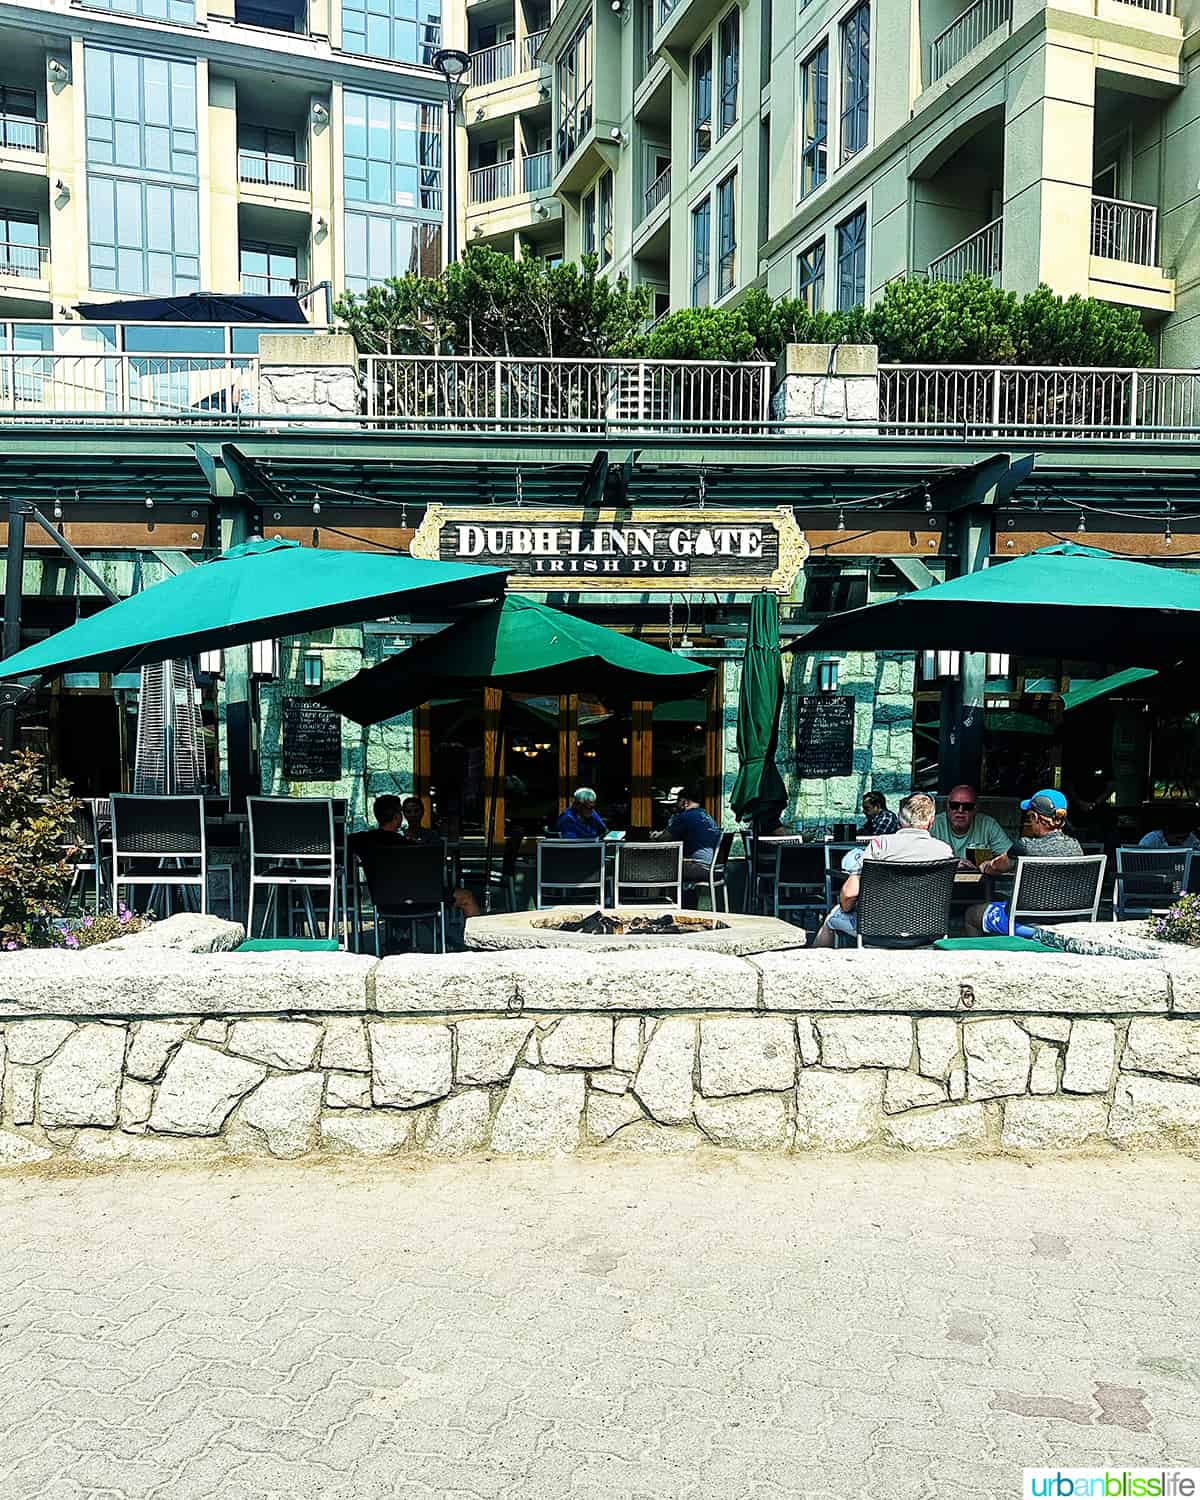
[(648, 1139), (411, 1062), (487, 1051), (347, 1091), (22, 1093), (34, 1041), (186, 932), (200, 1088), (540, 1115), (659, 979), (1091, 1057), (905, 1090), (215, 1032), (286, 1111), (1043, 1076), (1048, 1028), (17, 1149), (745, 1055), (579, 1042), (951, 1127), (288, 1045), (838, 1111), (345, 1046), (137, 1100), (627, 1043), (152, 1045), (1056, 1124), (750, 1122), (958, 1082), (866, 1041), (460, 1124), (937, 1045), (608, 1113), (443, 983), (79, 1085), (1155, 1112), (610, 1081), (807, 1041), (998, 1058), (1163, 1046), (365, 1132), (663, 1081)]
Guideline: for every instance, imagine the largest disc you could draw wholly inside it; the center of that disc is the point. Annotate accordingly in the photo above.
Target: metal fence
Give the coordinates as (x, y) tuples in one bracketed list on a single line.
[(1036, 401), (572, 395), (529, 49), (965, 33), (19, 133), (127, 385), (535, 172), (977, 255), (492, 64), (263, 170), (490, 183), (1125, 231), (657, 191), (255, 284), (26, 261)]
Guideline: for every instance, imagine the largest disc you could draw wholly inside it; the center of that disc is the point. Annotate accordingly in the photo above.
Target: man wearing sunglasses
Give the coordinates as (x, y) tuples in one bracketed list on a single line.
[(964, 828)]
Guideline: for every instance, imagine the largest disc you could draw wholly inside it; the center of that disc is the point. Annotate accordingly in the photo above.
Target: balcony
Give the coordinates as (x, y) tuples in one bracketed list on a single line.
[(965, 33), (529, 51), (492, 64), (535, 172), (23, 262), (19, 133), (510, 198), (658, 191), (273, 286), (261, 169), (1124, 256), (977, 255), (489, 184)]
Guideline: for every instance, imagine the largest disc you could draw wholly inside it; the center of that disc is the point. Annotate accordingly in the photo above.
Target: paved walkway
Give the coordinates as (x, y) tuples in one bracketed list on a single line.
[(729, 1327)]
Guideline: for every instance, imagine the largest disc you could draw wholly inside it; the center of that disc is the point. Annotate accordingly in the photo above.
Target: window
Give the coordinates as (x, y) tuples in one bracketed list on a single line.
[(141, 114), (702, 101), (701, 240), (398, 30), (154, 10), (605, 218), (21, 102), (573, 91), (268, 156), (392, 158), (18, 112), (268, 270), (810, 277), (283, 16), (143, 237), (19, 253), (727, 235), (852, 261), (382, 245), (727, 53), (587, 224), (814, 117), (856, 78)]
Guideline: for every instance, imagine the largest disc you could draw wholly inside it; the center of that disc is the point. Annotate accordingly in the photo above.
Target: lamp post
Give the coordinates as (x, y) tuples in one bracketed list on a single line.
[(451, 64)]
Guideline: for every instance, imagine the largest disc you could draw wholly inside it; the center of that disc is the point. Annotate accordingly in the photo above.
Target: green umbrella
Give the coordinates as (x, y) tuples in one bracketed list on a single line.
[(1063, 601), (759, 786), (257, 590)]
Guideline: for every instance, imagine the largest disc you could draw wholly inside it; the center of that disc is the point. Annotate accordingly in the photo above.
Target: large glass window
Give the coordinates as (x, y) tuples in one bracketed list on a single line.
[(379, 246), (141, 113), (143, 237), (702, 64), (18, 111), (400, 30), (814, 120), (19, 252), (728, 40), (393, 152), (852, 261), (154, 10), (268, 270), (701, 252), (810, 277), (573, 91), (727, 235), (587, 224), (856, 79), (604, 216), (269, 157)]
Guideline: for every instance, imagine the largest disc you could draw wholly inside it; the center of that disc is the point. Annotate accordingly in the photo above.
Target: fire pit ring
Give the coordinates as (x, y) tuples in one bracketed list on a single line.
[(713, 932)]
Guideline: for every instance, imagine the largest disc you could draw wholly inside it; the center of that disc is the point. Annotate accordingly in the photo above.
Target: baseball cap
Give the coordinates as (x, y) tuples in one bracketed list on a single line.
[(1047, 802)]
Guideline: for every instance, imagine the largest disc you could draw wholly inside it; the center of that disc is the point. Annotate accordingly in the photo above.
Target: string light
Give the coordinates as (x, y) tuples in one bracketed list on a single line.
[(841, 524), (1167, 537), (1082, 523)]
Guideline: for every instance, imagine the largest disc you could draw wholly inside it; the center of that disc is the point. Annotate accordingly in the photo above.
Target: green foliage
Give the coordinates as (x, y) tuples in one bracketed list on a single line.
[(36, 829), (936, 322), (1179, 924), (87, 931), (1079, 331), (700, 333)]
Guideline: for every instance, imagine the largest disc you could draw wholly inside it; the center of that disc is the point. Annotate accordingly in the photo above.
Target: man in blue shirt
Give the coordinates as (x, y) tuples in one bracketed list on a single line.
[(581, 820), (695, 830)]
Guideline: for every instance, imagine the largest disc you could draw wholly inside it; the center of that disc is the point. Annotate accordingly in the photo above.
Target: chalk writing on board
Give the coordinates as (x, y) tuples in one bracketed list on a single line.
[(312, 741), (825, 735)]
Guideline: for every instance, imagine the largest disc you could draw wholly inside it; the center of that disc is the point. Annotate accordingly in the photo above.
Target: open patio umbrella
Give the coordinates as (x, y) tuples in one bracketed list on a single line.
[(254, 591), (1063, 601), (759, 786)]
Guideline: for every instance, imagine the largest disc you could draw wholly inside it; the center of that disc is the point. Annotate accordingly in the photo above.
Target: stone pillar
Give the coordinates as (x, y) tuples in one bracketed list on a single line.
[(822, 386), (308, 375)]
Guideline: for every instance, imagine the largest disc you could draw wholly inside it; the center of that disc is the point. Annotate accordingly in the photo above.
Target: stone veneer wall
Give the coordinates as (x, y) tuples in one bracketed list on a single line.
[(151, 1054)]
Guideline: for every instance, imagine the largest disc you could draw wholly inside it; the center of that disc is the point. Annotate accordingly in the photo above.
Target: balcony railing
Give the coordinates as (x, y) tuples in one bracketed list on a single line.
[(126, 385), (256, 285), (535, 172), (262, 170), (1009, 401), (977, 255), (575, 123), (529, 47), (1125, 231), (658, 190), (25, 261), (574, 395), (965, 33), (492, 64), (19, 133), (1160, 7), (665, 7), (490, 183)]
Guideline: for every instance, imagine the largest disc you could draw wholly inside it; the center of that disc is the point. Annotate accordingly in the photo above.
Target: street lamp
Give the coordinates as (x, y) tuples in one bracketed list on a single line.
[(451, 64)]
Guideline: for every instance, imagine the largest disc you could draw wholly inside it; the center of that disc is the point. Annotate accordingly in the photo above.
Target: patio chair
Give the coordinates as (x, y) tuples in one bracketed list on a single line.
[(904, 906), (716, 874), (159, 841), (1056, 890), (90, 824), (292, 848), (649, 873), (1149, 880), (407, 883), (799, 881), (569, 870), (760, 865)]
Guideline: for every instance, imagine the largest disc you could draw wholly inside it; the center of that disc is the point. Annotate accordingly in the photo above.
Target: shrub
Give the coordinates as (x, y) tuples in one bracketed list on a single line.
[(36, 830), (700, 333), (88, 930), (1180, 924)]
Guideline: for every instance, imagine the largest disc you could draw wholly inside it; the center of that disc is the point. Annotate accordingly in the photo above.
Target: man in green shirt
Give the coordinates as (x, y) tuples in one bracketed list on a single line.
[(964, 828)]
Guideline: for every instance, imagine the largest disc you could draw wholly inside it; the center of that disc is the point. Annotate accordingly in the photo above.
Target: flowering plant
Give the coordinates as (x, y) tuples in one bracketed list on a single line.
[(1181, 924), (87, 931), (37, 831)]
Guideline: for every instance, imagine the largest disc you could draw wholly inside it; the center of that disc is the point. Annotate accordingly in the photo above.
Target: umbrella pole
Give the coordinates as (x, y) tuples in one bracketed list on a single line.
[(497, 757)]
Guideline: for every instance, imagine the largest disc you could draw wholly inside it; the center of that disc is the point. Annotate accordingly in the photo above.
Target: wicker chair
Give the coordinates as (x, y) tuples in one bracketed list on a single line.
[(904, 906), (569, 870), (407, 883), (1056, 890), (159, 841), (292, 848), (649, 873), (1149, 880)]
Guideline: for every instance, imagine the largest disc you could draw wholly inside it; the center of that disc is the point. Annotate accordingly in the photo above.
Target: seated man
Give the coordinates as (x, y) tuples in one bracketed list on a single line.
[(913, 845), (415, 831), (388, 816), (695, 830), (878, 816), (1046, 839), (964, 828), (581, 820)]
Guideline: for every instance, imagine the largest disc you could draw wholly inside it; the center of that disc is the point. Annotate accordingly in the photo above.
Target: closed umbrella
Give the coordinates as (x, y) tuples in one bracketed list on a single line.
[(759, 787)]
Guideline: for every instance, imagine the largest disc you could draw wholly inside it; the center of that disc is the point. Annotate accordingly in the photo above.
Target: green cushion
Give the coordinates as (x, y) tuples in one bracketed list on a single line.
[(289, 945), (994, 944)]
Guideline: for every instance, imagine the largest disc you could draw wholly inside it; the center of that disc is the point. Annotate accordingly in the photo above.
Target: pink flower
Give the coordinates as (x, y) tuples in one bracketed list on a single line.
[(71, 940), (11, 945)]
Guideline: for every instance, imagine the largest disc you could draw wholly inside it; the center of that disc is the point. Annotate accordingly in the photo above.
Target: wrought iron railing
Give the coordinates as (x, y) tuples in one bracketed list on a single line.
[(965, 33), (491, 64), (657, 191), (977, 255), (1125, 231), (535, 172), (134, 386), (490, 183), (264, 170), (25, 261), (529, 49), (19, 133)]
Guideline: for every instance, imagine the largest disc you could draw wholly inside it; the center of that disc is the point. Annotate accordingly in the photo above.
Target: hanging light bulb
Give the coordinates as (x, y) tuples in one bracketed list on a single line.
[(1082, 523), (1167, 537), (57, 509), (841, 525)]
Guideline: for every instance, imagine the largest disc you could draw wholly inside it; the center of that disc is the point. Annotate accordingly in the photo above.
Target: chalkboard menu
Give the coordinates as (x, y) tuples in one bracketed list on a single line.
[(312, 741), (825, 735)]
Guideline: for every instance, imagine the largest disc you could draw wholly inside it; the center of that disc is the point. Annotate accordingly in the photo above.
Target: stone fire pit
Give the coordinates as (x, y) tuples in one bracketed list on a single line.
[(712, 932)]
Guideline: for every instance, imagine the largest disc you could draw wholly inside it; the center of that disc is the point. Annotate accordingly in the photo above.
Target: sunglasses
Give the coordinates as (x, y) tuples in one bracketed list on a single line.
[(962, 806)]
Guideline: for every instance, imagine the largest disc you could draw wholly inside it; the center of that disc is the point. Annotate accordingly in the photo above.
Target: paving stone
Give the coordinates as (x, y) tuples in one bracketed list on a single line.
[(937, 1045), (460, 1124), (609, 1081), (904, 1090), (1048, 1028), (487, 1051), (347, 1091), (743, 1055), (952, 1126), (958, 1082), (22, 1093), (411, 1062), (290, 1045), (751, 1122), (1091, 1057), (1056, 1124), (152, 1044), (137, 1100), (865, 1041), (838, 1111), (286, 1110), (579, 1042), (999, 1057), (345, 1045), (215, 1032), (540, 1114), (663, 1081), (200, 1088), (79, 1085), (1163, 1046)]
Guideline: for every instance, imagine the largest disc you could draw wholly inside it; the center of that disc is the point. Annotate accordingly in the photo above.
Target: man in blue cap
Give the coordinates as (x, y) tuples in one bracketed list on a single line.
[(1046, 839)]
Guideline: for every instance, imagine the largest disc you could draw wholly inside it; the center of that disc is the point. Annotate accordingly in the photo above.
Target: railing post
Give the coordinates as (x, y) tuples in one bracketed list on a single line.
[(996, 401), (1134, 394), (496, 409)]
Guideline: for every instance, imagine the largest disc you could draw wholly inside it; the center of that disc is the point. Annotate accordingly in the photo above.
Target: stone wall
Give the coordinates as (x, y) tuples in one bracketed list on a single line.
[(152, 1054), (821, 387)]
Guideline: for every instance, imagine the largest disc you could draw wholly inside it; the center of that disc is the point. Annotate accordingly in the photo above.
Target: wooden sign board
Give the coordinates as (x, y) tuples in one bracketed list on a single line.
[(825, 735), (312, 741), (635, 549)]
